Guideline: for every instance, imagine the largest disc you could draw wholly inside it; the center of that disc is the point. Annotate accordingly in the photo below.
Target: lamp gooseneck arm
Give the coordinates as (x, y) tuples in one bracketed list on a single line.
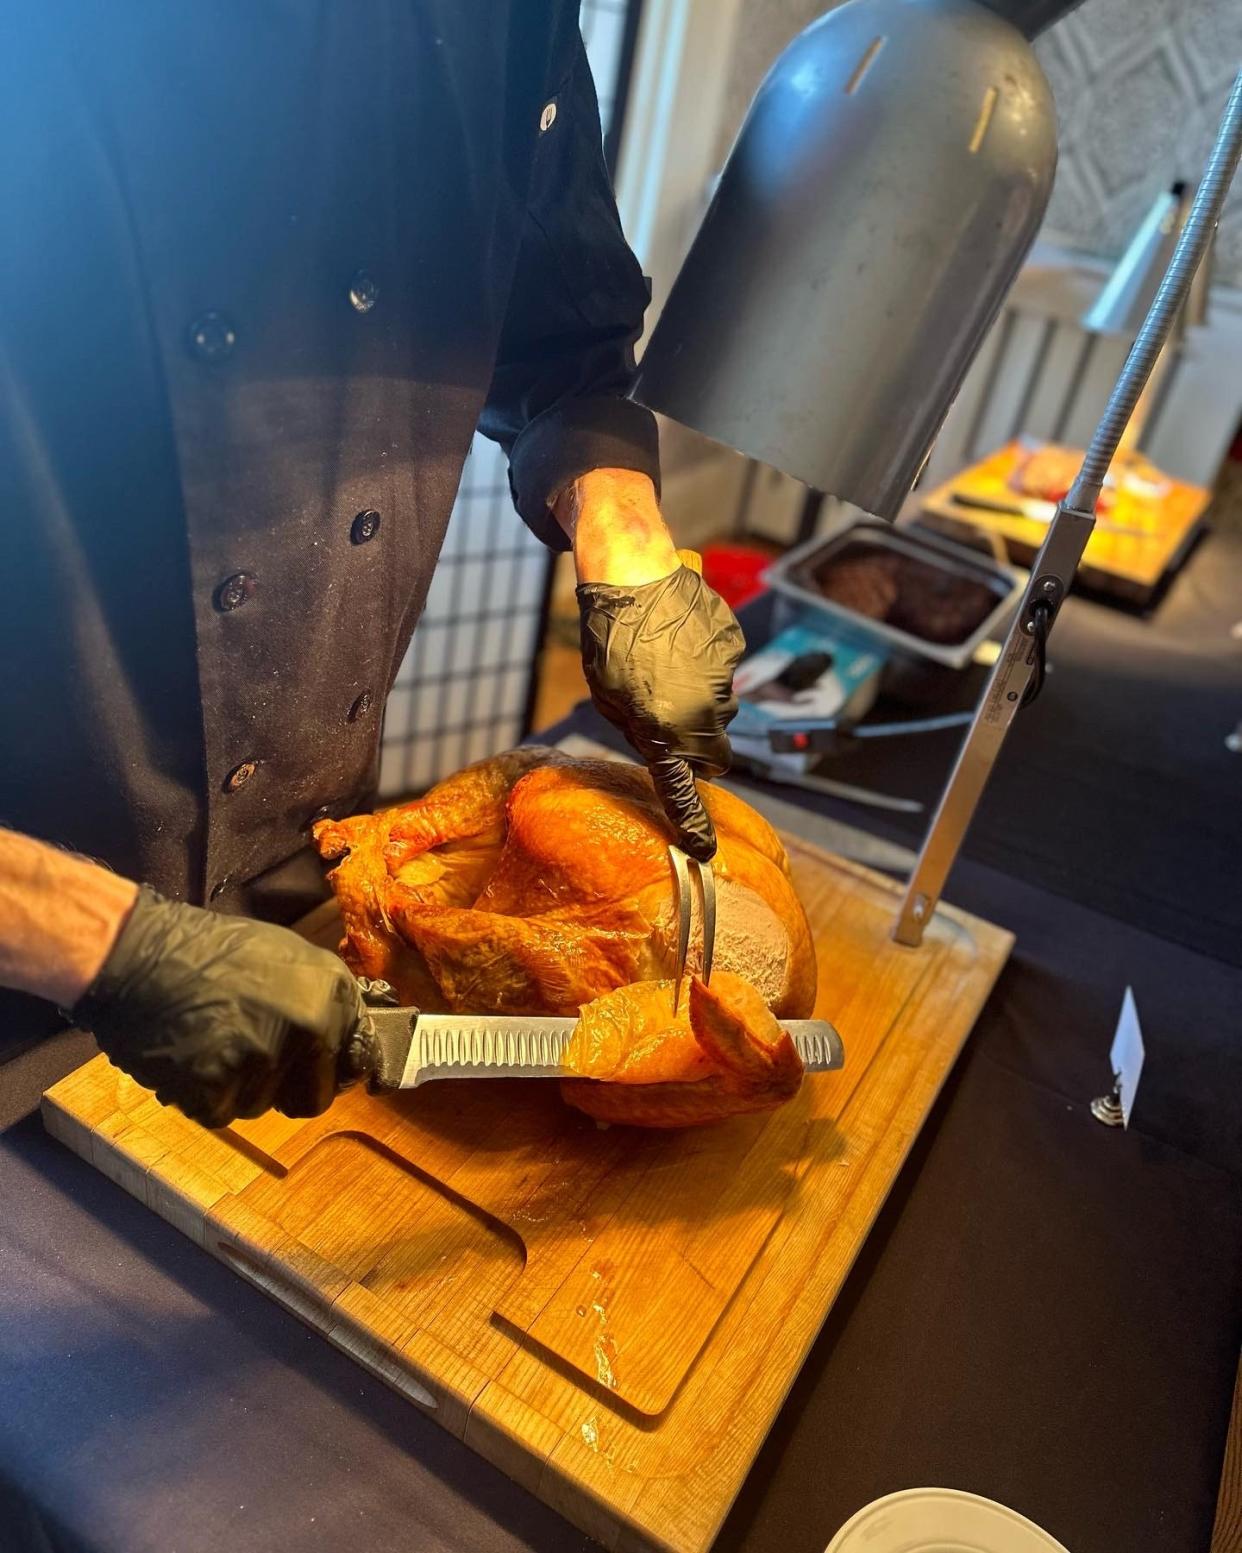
[(1167, 303)]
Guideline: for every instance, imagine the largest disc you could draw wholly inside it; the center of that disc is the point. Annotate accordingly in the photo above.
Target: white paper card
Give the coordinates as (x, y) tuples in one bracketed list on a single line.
[(1127, 1054)]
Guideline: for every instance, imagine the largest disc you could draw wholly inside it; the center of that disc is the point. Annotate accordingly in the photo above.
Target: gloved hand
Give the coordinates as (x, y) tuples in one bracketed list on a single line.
[(659, 660), (221, 1016)]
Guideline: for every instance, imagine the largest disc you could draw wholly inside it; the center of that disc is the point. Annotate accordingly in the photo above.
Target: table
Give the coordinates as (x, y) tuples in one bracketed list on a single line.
[(1047, 1312)]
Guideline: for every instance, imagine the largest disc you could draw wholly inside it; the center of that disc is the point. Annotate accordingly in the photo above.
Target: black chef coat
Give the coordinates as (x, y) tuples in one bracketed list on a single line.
[(264, 266)]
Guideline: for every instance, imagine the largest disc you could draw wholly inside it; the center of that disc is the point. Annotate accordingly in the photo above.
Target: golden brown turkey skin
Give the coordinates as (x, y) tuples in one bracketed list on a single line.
[(722, 1054), (449, 842), (533, 883)]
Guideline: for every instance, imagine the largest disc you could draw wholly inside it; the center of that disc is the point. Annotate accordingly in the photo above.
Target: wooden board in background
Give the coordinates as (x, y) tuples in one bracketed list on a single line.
[(612, 1317), (1128, 565)]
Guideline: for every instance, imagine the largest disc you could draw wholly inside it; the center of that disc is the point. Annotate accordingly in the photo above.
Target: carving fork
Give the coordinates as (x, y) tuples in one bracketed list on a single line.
[(682, 864)]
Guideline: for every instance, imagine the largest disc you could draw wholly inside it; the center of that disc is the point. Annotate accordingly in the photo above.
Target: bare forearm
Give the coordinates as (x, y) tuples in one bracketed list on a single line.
[(59, 917), (619, 536)]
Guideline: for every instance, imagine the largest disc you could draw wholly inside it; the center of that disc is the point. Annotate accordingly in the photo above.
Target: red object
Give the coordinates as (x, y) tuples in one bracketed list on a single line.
[(733, 570)]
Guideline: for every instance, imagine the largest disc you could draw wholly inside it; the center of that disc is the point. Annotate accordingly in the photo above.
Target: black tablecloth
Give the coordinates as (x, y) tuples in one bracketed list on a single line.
[(1046, 1312)]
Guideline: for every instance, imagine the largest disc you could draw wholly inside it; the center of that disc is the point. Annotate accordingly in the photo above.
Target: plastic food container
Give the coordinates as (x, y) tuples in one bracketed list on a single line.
[(735, 571)]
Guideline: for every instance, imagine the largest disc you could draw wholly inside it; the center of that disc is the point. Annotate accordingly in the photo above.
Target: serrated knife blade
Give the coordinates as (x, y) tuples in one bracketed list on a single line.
[(406, 1048)]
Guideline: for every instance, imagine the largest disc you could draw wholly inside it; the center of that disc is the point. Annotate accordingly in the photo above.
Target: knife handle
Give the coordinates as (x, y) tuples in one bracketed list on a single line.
[(361, 1054), (358, 1057)]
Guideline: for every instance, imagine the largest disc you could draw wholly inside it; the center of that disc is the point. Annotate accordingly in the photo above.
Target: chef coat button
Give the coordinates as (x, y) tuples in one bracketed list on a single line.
[(365, 526), (547, 118), (234, 591), (363, 291), (361, 706), (212, 337), (240, 775)]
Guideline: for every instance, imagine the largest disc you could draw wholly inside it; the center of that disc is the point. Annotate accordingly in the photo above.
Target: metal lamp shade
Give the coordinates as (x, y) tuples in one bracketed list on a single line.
[(886, 185), (1130, 290)]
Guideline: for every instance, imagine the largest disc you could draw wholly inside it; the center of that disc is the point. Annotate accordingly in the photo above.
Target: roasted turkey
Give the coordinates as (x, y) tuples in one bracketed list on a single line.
[(722, 1053), (534, 883)]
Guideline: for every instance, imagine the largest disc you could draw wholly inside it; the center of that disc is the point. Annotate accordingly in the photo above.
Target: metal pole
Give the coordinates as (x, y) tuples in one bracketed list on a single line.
[(1054, 567)]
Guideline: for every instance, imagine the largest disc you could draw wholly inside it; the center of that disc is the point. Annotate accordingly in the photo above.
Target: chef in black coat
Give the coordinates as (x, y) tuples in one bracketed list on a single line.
[(265, 266)]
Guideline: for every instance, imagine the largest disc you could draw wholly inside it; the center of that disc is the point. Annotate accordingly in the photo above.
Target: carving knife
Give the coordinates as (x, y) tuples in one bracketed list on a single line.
[(405, 1048), (1037, 511)]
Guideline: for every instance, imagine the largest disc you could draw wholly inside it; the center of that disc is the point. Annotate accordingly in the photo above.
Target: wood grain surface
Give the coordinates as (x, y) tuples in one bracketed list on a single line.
[(1130, 565), (1227, 1533), (611, 1316)]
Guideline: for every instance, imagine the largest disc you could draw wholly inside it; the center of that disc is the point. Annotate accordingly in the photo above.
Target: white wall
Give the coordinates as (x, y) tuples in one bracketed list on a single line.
[(1140, 86)]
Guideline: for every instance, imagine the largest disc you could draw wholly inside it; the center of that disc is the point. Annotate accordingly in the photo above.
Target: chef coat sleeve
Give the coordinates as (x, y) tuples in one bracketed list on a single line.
[(557, 402)]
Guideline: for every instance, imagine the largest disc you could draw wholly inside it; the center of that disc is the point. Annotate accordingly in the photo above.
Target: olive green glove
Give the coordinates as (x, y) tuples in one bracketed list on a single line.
[(222, 1016), (659, 660)]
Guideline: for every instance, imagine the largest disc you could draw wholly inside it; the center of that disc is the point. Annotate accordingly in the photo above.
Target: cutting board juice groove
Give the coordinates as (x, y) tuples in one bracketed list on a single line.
[(612, 1317)]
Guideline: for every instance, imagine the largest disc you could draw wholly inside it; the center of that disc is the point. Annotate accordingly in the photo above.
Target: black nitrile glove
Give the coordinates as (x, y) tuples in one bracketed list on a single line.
[(222, 1016), (659, 659)]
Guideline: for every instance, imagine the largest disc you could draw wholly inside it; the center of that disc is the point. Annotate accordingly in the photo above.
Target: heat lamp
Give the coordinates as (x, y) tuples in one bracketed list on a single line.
[(881, 196)]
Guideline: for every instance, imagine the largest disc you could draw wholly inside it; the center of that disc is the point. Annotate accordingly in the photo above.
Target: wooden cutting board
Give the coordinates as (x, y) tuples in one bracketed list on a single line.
[(1138, 541), (612, 1317)]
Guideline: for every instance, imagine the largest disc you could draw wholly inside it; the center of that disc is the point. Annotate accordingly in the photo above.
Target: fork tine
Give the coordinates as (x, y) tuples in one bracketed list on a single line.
[(707, 882), (681, 899)]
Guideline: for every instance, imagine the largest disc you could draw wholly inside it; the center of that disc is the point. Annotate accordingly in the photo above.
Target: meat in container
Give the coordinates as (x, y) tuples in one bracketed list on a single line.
[(918, 594)]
